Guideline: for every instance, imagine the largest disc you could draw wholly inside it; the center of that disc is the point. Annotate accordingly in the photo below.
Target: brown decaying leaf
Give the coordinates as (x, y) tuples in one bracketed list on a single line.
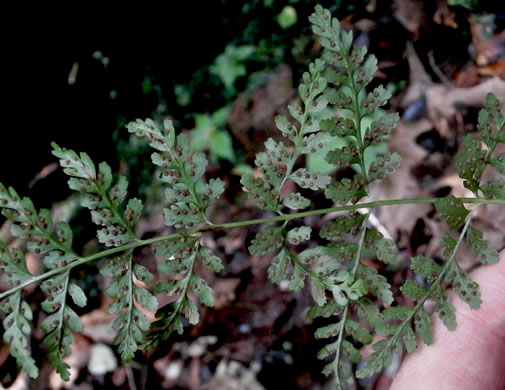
[(442, 100), (256, 111), (410, 13)]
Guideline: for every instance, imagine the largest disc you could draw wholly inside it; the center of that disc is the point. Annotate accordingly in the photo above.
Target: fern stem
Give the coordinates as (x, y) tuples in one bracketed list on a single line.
[(346, 309), (229, 225), (62, 310), (130, 290), (357, 112), (339, 344)]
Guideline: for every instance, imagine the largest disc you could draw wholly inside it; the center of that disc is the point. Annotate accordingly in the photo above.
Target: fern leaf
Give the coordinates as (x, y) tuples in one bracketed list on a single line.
[(180, 257), (298, 235), (494, 188), (346, 190), (18, 313), (491, 122), (306, 179), (344, 157), (267, 241), (295, 201), (182, 171), (480, 248), (380, 129), (341, 226), (452, 211), (464, 286), (101, 196), (260, 190), (384, 166), (385, 248), (17, 331), (376, 283), (61, 322), (444, 308)]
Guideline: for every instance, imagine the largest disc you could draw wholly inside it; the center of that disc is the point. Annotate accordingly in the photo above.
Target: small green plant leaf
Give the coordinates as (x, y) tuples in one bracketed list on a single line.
[(318, 291), (344, 157), (464, 286), (423, 326), (298, 235), (341, 226), (384, 166), (77, 295), (452, 211), (281, 267), (491, 122), (375, 99), (498, 162), (330, 308), (295, 201), (261, 191), (444, 308), (183, 215), (413, 291), (357, 332), (210, 260), (471, 162), (380, 129), (202, 290), (480, 248), (267, 241), (297, 280), (376, 283), (306, 179), (385, 248), (425, 267), (346, 190), (494, 188), (17, 331), (314, 142)]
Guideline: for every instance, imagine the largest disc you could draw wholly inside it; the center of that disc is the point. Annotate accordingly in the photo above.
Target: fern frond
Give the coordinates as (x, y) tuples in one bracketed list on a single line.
[(277, 162), (102, 196), (132, 324), (16, 323), (188, 194), (55, 242), (181, 255)]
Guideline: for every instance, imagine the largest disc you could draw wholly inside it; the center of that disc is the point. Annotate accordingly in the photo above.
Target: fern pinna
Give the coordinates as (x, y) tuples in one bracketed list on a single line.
[(354, 299)]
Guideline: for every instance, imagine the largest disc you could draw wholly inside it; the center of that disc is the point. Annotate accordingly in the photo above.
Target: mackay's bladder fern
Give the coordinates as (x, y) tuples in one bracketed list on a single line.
[(334, 101)]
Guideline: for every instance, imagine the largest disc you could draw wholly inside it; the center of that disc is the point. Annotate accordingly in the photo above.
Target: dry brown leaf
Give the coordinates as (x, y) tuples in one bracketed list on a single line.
[(410, 13), (442, 100), (224, 290), (487, 49), (252, 116), (444, 15), (419, 79)]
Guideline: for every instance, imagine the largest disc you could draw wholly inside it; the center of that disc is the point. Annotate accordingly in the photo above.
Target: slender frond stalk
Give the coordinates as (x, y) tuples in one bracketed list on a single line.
[(345, 314), (229, 225)]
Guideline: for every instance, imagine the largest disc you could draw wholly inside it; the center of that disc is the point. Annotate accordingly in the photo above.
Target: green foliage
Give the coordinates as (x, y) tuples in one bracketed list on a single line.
[(18, 312), (132, 323), (355, 298), (230, 65), (210, 133)]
